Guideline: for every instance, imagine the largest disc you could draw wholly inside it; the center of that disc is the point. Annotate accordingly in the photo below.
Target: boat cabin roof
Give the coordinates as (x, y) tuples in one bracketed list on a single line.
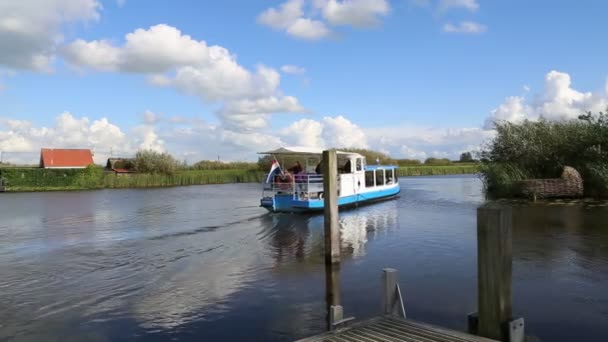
[(306, 151)]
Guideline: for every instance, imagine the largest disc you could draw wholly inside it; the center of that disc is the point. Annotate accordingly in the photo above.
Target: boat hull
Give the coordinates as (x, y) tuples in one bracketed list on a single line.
[(287, 203)]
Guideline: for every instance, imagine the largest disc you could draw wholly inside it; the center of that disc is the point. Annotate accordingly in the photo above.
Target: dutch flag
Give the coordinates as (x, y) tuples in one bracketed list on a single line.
[(273, 170)]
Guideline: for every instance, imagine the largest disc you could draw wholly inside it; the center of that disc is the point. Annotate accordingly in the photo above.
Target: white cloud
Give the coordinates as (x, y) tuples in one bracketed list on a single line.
[(408, 141), (289, 18), (340, 132), (464, 27), (304, 132), (356, 13), (329, 132), (558, 101), (292, 69), (173, 59), (306, 28), (470, 5), (20, 140), (30, 30)]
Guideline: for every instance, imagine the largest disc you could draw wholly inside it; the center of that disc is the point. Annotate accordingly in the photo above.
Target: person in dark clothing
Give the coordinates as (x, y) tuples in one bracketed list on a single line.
[(319, 168), (296, 168)]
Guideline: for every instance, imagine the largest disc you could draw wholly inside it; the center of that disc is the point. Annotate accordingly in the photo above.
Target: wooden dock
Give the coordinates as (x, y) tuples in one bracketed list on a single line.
[(391, 329), (494, 320)]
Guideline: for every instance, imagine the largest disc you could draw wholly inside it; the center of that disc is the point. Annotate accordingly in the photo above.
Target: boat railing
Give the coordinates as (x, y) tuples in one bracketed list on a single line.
[(301, 186)]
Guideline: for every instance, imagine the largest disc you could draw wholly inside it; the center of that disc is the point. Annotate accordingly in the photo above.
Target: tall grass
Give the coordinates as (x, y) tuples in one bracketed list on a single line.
[(541, 149), (425, 170)]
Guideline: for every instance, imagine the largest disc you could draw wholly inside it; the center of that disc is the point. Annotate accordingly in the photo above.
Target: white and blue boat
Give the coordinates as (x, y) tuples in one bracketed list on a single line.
[(358, 183)]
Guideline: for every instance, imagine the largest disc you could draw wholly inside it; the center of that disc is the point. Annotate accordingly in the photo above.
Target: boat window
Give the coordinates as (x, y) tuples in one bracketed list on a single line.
[(346, 167), (396, 176), (389, 176), (369, 179), (379, 177), (359, 164)]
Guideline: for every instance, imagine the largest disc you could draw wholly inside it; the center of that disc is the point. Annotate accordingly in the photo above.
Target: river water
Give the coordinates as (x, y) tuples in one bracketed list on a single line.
[(205, 263)]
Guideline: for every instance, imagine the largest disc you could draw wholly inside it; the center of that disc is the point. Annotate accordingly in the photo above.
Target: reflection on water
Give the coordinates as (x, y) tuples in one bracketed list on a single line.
[(199, 263)]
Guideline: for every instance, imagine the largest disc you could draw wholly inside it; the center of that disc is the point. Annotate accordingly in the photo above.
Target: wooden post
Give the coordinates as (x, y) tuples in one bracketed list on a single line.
[(330, 190), (494, 262), (392, 300)]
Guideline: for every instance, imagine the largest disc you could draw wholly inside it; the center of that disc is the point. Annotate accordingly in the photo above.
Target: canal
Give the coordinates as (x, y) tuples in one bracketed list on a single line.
[(205, 263)]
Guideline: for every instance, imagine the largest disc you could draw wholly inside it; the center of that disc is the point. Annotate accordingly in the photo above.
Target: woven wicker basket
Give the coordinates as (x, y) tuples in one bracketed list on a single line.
[(570, 184)]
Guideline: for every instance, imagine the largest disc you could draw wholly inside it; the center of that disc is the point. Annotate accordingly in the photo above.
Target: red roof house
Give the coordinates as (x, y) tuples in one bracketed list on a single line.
[(65, 158)]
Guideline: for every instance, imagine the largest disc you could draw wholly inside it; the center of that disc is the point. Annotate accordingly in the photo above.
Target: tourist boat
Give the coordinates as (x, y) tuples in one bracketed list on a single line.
[(302, 191)]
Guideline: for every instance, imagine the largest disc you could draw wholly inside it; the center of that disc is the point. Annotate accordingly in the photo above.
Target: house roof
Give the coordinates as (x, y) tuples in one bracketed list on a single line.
[(50, 157)]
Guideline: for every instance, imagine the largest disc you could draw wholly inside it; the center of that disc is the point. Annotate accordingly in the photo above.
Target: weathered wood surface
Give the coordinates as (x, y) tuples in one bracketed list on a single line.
[(330, 193), (388, 329), (494, 262)]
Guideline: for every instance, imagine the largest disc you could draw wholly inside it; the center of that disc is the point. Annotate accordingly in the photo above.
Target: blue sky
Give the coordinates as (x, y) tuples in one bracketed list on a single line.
[(412, 78)]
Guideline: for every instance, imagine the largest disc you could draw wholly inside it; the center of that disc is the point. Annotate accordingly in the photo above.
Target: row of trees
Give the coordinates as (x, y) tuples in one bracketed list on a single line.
[(148, 161)]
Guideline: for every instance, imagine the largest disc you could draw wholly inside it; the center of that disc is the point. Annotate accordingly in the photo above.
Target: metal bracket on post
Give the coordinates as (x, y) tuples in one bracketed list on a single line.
[(336, 317), (473, 323), (392, 297), (516, 331)]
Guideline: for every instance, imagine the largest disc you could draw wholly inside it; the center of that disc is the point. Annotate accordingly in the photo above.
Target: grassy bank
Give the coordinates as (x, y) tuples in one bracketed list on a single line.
[(425, 170), (35, 179)]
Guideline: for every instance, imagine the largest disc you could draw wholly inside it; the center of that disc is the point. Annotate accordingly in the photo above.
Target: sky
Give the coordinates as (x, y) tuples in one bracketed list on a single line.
[(227, 79)]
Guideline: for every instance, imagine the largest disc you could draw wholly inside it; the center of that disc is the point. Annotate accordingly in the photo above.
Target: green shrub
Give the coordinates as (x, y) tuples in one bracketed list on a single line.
[(437, 161), (541, 149), (148, 161)]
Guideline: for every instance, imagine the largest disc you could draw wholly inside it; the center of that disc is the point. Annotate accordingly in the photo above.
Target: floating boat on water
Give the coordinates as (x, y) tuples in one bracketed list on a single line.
[(300, 187)]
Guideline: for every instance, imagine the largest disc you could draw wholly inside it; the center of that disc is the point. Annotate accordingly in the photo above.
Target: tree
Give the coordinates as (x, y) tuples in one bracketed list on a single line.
[(149, 161), (466, 157)]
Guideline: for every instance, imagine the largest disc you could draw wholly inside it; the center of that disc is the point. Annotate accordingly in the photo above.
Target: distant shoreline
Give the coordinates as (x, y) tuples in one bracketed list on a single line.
[(43, 180)]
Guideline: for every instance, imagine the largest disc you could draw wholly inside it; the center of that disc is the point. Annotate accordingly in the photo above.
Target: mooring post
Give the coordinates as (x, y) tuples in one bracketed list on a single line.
[(392, 299), (330, 191), (335, 312), (494, 271)]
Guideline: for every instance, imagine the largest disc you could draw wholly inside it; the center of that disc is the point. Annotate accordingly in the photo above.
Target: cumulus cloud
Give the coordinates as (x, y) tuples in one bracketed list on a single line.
[(465, 27), (30, 30), (21, 141), (419, 142), (356, 13), (290, 16), (210, 72), (557, 101), (329, 132), (471, 5), (292, 69)]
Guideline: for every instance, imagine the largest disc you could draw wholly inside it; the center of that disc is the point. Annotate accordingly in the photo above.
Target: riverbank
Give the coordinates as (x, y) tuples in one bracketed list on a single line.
[(36, 179)]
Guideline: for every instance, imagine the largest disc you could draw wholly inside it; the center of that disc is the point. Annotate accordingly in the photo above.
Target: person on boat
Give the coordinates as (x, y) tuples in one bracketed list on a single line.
[(296, 168)]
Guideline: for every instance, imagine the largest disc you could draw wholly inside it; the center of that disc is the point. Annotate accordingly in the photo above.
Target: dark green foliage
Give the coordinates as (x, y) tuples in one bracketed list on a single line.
[(149, 161), (217, 165), (407, 162), (424, 170), (372, 156), (541, 149), (437, 161), (466, 157)]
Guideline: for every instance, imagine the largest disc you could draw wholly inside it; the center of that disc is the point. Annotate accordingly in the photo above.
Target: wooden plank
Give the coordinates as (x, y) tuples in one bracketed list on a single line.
[(494, 262), (386, 329), (330, 193)]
